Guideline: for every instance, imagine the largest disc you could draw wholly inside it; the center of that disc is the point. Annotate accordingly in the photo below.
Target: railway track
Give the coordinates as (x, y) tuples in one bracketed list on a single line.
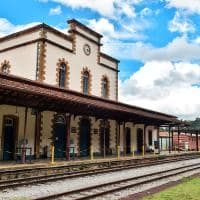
[(67, 175), (123, 184)]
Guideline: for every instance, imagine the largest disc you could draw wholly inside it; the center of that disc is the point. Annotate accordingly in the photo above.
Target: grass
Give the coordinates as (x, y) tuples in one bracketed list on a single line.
[(189, 189)]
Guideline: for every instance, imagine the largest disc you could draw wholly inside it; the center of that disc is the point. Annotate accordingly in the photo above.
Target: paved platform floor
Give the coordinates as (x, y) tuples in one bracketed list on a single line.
[(5, 165)]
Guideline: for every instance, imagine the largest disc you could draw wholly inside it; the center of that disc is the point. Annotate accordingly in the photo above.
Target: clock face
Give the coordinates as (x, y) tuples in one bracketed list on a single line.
[(86, 49)]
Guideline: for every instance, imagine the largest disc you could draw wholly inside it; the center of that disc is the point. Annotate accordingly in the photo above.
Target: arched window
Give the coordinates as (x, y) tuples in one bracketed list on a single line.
[(60, 119), (5, 69), (86, 82), (62, 75), (105, 88)]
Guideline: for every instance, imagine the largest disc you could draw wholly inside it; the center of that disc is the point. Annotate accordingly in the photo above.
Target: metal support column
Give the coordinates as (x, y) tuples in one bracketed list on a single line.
[(191, 141), (158, 138), (172, 139), (178, 139), (197, 142), (144, 141), (24, 138), (169, 138)]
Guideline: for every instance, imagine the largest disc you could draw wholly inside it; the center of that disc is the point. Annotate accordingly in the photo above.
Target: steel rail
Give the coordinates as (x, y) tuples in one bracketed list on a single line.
[(122, 187), (55, 177)]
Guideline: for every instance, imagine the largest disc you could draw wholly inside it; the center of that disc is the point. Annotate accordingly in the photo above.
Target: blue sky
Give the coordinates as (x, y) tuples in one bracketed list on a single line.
[(157, 41)]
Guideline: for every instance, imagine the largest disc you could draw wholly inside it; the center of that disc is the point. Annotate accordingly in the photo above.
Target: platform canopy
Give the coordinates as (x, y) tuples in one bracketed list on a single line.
[(43, 97)]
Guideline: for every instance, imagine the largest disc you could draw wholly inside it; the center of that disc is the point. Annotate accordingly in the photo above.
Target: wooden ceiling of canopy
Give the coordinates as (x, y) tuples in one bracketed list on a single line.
[(24, 92)]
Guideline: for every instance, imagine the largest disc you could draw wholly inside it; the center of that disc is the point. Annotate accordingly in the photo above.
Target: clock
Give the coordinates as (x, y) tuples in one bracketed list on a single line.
[(87, 49)]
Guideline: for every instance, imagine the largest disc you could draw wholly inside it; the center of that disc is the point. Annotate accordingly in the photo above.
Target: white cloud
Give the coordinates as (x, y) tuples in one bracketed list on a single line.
[(6, 27), (181, 24), (104, 7), (165, 87), (55, 11), (191, 6), (107, 29), (197, 40), (179, 49), (107, 8)]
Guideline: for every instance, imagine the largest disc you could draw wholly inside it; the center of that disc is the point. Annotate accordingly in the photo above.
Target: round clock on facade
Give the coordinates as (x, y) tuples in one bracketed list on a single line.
[(86, 49)]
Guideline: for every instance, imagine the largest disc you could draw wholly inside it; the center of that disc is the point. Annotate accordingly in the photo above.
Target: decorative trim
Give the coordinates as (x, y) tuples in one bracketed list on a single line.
[(58, 45), (35, 28), (108, 67), (98, 55), (105, 77), (19, 45), (3, 64), (85, 69), (34, 41), (74, 31), (83, 27), (53, 127), (67, 73), (73, 36), (109, 57), (40, 76), (116, 86)]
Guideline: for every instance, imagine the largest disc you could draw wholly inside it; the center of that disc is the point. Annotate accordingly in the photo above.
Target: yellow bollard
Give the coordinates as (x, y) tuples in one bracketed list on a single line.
[(143, 150), (118, 152), (133, 151), (52, 155), (91, 153)]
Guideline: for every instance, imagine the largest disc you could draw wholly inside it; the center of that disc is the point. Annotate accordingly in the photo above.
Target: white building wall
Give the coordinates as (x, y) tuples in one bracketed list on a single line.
[(22, 60), (19, 39), (59, 40), (76, 64), (108, 62)]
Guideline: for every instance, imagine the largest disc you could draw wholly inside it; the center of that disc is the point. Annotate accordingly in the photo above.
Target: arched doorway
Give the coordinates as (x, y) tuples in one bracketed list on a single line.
[(60, 129), (139, 139), (84, 137), (128, 140), (10, 124), (105, 138)]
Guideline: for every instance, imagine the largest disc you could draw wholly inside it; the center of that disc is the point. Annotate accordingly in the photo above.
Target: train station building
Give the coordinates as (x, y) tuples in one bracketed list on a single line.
[(60, 90)]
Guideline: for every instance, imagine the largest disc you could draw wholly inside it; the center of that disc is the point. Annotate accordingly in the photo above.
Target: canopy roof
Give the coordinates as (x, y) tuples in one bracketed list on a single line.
[(24, 92)]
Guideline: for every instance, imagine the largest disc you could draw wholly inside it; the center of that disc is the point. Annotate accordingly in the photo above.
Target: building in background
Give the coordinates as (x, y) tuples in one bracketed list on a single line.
[(60, 90), (183, 142)]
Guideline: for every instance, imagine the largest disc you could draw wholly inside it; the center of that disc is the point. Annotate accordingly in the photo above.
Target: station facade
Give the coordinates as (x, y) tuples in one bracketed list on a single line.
[(60, 89)]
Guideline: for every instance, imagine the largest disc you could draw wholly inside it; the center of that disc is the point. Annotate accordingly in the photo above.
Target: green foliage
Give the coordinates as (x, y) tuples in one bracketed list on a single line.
[(188, 190)]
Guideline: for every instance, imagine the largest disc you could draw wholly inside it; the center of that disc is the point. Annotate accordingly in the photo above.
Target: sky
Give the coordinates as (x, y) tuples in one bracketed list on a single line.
[(156, 41)]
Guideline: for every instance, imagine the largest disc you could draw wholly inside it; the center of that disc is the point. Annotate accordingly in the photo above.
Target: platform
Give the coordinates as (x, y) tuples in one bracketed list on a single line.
[(40, 163)]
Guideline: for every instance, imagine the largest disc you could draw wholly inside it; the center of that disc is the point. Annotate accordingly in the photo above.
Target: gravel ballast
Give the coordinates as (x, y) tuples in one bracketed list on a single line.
[(38, 190)]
